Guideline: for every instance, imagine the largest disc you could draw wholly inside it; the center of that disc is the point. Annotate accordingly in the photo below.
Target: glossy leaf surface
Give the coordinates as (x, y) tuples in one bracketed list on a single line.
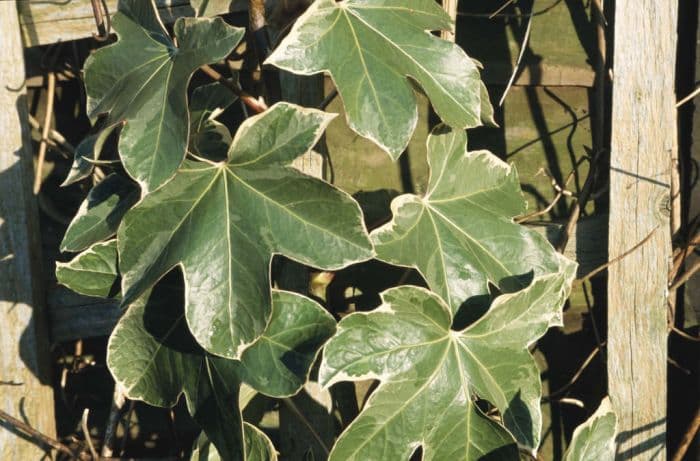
[(222, 222), (100, 213), (142, 80), (257, 444), (461, 234), (370, 48), (154, 358), (428, 374), (595, 438), (93, 272)]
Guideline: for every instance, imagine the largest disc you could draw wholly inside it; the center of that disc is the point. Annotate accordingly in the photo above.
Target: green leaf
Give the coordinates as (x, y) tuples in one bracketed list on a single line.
[(209, 138), (428, 374), (142, 80), (595, 438), (222, 222), (100, 213), (257, 445), (461, 234), (87, 153), (93, 272), (154, 358), (278, 363), (370, 48), (211, 7)]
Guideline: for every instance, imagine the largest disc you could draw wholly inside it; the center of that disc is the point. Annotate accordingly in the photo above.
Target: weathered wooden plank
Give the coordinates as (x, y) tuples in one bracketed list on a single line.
[(74, 316), (25, 391), (558, 51), (642, 146), (51, 22)]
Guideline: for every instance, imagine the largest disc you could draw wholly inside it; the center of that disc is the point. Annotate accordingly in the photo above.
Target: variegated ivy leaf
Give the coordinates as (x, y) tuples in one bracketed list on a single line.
[(258, 446), (214, 7), (429, 373), (222, 222), (87, 154), (154, 358), (93, 272), (595, 438), (100, 213), (371, 48), (142, 80), (461, 234)]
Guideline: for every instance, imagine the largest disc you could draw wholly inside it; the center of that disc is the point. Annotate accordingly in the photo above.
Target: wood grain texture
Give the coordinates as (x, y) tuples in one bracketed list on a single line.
[(24, 393), (50, 22), (643, 145)]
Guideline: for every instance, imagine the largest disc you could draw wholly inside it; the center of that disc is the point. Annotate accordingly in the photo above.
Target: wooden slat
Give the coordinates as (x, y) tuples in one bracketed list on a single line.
[(74, 316), (642, 146), (51, 22), (561, 40), (25, 390)]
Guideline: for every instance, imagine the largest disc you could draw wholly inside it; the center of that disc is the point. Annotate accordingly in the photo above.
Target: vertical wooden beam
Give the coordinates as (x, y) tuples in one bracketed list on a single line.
[(24, 389), (450, 6), (643, 145)]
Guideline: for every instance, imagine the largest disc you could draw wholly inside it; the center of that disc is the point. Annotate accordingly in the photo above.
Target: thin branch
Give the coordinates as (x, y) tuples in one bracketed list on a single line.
[(600, 269), (580, 204), (692, 95), (524, 46), (86, 434), (55, 139), (51, 90), (570, 401), (685, 335), (112, 422), (36, 435), (535, 214), (501, 8), (249, 100), (685, 277), (292, 406), (688, 437), (328, 99), (576, 376)]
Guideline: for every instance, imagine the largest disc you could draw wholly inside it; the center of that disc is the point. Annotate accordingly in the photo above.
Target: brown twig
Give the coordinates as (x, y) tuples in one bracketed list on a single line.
[(112, 422), (535, 214), (501, 8), (328, 99), (51, 90), (516, 69), (292, 406), (102, 20), (36, 435), (694, 93), (576, 376), (686, 276), (688, 437), (683, 334), (249, 100), (600, 269), (86, 434), (55, 139)]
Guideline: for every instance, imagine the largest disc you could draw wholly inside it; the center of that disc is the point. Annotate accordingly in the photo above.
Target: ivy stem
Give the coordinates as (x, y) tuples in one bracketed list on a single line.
[(249, 100), (292, 406), (260, 39)]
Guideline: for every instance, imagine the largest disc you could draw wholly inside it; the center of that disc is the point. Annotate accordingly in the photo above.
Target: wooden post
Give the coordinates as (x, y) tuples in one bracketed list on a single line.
[(450, 6), (643, 145), (24, 389)]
